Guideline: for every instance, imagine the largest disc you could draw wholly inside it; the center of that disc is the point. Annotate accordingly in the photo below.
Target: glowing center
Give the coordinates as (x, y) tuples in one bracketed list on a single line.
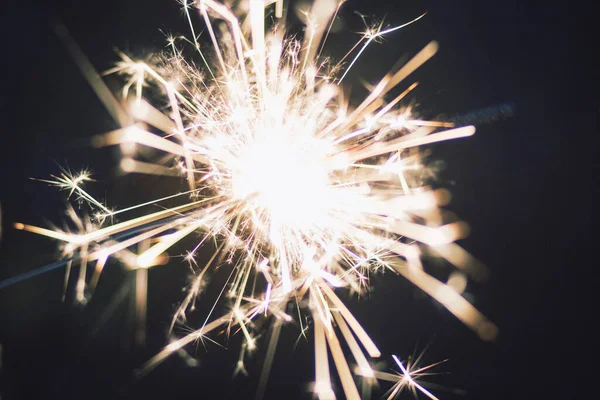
[(284, 178)]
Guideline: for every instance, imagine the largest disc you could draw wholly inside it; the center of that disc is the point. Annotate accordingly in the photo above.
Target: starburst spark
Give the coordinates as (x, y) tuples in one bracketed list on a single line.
[(408, 378), (304, 193)]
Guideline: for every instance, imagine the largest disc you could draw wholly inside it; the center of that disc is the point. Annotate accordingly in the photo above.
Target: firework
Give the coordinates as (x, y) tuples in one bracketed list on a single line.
[(304, 194)]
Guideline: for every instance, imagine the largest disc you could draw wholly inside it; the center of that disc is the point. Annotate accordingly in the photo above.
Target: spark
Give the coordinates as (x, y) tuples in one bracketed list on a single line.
[(73, 184), (304, 194), (408, 378)]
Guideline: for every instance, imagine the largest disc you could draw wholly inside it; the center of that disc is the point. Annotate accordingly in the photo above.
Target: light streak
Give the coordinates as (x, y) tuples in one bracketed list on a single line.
[(304, 192)]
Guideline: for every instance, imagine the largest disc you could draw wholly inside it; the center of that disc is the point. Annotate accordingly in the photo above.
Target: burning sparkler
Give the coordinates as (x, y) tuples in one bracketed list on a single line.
[(304, 194)]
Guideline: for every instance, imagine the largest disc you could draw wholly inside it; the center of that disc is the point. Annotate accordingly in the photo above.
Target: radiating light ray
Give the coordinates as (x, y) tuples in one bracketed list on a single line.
[(107, 98), (303, 194), (148, 203), (410, 381), (371, 36), (266, 369)]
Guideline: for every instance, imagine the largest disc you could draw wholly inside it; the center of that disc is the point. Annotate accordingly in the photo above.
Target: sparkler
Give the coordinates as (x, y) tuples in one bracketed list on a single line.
[(304, 194)]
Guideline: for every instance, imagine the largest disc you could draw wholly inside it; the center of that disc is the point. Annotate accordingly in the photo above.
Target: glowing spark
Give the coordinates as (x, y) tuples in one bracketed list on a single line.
[(407, 379), (302, 191)]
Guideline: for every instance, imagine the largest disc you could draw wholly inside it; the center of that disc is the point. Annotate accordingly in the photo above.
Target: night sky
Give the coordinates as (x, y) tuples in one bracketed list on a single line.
[(524, 183)]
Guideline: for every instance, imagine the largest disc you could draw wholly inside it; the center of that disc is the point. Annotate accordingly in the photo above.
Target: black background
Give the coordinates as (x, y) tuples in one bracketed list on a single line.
[(525, 184)]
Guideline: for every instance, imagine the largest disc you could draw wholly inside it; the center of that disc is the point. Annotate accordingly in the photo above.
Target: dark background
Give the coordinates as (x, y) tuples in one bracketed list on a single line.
[(524, 183)]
